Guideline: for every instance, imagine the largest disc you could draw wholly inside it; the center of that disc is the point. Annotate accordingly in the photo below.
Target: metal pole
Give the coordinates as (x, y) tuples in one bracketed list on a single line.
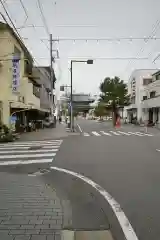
[(71, 107), (51, 73)]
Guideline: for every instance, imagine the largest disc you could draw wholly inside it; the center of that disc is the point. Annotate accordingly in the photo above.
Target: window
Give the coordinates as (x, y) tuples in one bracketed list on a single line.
[(147, 81), (27, 67), (152, 94), (158, 77), (36, 91), (144, 97)]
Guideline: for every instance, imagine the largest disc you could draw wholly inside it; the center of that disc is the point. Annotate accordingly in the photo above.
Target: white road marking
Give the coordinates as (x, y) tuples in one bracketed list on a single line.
[(148, 134), (50, 147), (21, 162), (123, 220), (28, 155), (86, 134), (34, 142), (139, 133), (104, 133), (144, 134), (158, 150), (80, 129), (135, 133), (115, 133), (29, 145), (124, 133), (96, 134), (29, 151)]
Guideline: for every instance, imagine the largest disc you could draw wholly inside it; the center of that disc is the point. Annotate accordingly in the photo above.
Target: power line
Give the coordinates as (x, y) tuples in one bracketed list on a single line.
[(94, 58), (43, 17), (17, 34), (106, 39), (32, 25), (25, 11), (9, 19), (151, 36)]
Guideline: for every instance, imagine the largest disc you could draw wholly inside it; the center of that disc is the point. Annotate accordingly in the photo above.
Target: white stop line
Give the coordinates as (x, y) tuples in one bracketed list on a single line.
[(122, 219)]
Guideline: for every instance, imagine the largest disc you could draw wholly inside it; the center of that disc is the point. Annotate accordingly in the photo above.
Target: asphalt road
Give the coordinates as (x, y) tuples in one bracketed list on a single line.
[(128, 167)]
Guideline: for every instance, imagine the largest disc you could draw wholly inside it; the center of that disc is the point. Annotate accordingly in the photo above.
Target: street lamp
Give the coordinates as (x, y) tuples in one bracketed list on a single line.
[(89, 61)]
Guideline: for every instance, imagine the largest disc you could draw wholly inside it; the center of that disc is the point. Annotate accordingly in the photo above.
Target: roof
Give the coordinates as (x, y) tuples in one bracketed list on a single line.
[(142, 72), (156, 73), (4, 27)]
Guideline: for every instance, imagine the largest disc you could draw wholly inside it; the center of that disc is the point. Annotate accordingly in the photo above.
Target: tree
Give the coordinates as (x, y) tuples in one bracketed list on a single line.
[(100, 110), (114, 94)]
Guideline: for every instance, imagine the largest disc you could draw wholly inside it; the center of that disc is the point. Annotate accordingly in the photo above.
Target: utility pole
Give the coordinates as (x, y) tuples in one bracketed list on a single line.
[(71, 101), (51, 73)]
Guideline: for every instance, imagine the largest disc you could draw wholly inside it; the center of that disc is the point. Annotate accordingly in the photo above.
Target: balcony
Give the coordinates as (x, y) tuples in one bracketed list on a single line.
[(151, 102), (154, 86)]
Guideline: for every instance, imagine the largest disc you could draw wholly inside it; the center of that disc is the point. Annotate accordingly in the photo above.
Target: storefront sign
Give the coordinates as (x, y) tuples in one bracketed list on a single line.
[(15, 73)]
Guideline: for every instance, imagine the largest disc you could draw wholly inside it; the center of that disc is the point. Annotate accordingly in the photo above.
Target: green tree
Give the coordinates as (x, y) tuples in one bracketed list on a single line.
[(100, 110), (114, 94)]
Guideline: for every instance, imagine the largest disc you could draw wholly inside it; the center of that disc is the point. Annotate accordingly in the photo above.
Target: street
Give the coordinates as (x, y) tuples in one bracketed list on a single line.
[(125, 166)]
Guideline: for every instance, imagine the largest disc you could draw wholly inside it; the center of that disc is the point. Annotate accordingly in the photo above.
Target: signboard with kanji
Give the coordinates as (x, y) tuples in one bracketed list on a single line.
[(15, 73)]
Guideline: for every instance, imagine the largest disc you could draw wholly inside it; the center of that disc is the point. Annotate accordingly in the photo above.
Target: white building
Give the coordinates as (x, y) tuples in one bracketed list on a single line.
[(138, 81), (151, 103)]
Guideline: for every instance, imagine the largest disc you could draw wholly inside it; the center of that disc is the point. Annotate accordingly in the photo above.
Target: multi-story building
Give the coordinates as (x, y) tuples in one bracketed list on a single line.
[(20, 91), (42, 77), (151, 100), (137, 91)]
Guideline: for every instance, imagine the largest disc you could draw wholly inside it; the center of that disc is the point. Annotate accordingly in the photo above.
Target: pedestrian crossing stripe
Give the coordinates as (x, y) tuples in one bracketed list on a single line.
[(21, 162), (104, 133), (86, 134), (29, 151), (96, 134), (116, 133), (18, 153)]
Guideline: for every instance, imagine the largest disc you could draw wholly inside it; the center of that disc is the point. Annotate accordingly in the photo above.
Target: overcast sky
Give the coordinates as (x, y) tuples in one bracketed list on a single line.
[(87, 19)]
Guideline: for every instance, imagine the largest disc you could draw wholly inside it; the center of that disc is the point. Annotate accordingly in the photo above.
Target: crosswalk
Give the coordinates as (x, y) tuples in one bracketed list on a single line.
[(115, 133), (29, 152)]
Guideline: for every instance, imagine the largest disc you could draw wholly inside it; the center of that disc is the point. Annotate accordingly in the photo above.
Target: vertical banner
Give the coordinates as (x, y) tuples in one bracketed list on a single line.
[(15, 73)]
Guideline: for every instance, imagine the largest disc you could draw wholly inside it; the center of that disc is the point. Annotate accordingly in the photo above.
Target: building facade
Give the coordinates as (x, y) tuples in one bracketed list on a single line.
[(23, 93), (151, 102), (42, 77), (137, 83)]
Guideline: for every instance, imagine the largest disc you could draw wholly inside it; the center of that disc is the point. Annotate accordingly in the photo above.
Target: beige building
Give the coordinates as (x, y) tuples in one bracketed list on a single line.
[(19, 89)]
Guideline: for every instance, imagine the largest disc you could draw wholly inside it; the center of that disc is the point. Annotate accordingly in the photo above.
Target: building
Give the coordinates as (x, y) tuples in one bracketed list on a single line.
[(20, 90), (151, 100), (137, 91), (42, 77)]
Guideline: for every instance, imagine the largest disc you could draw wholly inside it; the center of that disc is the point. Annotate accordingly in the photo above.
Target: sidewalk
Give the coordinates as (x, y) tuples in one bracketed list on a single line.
[(46, 134), (29, 210)]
